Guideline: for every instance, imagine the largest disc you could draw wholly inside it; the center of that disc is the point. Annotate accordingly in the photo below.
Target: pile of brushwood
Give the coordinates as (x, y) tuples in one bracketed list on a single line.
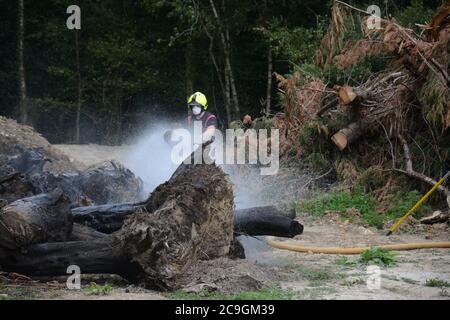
[(374, 105), (43, 229)]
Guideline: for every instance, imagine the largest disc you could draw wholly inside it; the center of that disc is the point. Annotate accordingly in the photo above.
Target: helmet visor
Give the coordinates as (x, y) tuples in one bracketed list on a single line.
[(194, 104)]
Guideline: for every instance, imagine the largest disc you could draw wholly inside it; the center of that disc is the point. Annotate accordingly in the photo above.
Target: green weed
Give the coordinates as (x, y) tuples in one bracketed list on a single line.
[(97, 290), (379, 256), (438, 283)]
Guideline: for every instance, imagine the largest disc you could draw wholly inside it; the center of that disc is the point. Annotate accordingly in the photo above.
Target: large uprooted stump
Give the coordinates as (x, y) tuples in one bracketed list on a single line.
[(190, 217)]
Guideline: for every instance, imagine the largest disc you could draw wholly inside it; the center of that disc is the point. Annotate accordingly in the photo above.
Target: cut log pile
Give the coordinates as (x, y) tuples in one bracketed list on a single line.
[(189, 218)]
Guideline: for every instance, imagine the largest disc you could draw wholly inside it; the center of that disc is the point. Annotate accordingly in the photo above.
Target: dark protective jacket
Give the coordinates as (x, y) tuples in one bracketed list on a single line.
[(207, 120)]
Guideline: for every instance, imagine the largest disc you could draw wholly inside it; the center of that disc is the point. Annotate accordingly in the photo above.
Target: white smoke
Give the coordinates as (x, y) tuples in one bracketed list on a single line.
[(150, 157)]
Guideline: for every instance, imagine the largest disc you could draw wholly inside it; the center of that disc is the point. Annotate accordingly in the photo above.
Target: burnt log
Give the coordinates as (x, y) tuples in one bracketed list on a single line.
[(256, 221), (105, 218), (266, 220), (84, 233), (38, 219), (52, 259)]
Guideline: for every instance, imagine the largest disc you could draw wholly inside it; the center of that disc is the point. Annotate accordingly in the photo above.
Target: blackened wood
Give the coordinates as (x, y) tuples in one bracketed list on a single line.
[(266, 220)]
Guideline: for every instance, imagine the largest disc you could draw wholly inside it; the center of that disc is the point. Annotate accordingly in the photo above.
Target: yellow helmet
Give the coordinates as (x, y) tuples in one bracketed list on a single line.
[(198, 98)]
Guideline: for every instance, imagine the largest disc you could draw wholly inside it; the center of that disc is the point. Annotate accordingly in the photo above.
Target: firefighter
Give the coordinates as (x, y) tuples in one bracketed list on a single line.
[(198, 105), (197, 112)]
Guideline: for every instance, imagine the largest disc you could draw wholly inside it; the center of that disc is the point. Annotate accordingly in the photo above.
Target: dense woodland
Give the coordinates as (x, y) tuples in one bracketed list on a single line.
[(134, 62)]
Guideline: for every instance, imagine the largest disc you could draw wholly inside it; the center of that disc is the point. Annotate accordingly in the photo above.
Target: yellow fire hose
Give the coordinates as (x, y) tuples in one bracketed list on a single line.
[(297, 247), (425, 197)]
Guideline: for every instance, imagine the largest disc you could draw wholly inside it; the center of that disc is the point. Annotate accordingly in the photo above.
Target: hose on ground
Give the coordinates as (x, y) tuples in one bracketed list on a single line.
[(297, 247)]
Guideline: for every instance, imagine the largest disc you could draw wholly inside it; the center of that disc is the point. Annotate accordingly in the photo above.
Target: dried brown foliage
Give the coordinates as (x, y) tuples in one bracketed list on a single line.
[(333, 41), (300, 104)]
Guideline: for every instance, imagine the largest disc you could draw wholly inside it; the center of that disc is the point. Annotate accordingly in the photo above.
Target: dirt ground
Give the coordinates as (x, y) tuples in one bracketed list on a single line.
[(302, 275), (86, 155), (320, 276)]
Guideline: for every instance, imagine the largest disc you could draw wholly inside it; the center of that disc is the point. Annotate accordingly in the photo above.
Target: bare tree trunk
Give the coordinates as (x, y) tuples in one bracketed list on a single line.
[(77, 121), (189, 73), (223, 87), (228, 95), (230, 71), (23, 108), (230, 85), (119, 122), (269, 81)]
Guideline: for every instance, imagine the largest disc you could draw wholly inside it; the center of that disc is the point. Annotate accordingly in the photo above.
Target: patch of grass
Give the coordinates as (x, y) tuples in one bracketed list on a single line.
[(319, 277), (399, 203), (379, 256), (338, 201), (316, 275), (314, 293), (396, 204), (439, 283), (272, 293), (17, 293), (410, 281), (345, 262), (353, 282), (97, 290)]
